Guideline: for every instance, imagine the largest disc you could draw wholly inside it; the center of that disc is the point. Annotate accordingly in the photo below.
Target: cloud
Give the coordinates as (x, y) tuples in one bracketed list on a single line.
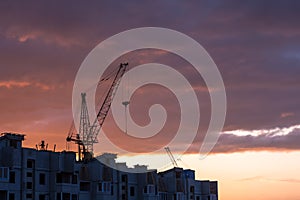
[(287, 114), (10, 84), (229, 143), (21, 84), (262, 178)]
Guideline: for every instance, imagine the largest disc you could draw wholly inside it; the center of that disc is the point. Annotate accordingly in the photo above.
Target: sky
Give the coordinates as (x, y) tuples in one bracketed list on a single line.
[(255, 44)]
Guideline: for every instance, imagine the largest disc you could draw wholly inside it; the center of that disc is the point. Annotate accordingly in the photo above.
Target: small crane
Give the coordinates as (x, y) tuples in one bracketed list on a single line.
[(171, 156), (87, 135)]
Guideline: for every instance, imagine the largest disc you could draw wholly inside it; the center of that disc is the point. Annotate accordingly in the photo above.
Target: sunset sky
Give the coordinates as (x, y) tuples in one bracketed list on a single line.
[(255, 44)]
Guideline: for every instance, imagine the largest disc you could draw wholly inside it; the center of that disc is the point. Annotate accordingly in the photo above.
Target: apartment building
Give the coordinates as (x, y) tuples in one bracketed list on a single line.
[(41, 174)]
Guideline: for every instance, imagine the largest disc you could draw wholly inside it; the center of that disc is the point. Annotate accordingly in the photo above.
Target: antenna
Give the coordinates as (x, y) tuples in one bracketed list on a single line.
[(125, 103)]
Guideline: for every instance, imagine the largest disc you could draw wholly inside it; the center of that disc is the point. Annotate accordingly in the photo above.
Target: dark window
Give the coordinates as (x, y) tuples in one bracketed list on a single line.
[(150, 178), (74, 196), (29, 174), (66, 178), (30, 163), (197, 198), (123, 196), (112, 190), (131, 191), (29, 196), (84, 186), (58, 178), (29, 185), (100, 187), (58, 196), (42, 197), (104, 187), (192, 189), (124, 178), (42, 179), (74, 179), (12, 177), (178, 174), (11, 196), (13, 143), (66, 196), (4, 173)]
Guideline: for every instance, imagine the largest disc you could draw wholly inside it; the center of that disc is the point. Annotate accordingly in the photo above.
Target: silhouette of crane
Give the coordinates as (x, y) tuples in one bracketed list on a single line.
[(171, 156), (87, 135)]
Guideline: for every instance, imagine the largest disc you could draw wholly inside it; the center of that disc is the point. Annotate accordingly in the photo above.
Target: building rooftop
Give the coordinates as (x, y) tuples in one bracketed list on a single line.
[(12, 136)]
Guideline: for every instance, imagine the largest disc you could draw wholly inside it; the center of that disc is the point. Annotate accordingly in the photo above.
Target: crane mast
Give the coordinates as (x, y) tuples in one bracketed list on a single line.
[(87, 135)]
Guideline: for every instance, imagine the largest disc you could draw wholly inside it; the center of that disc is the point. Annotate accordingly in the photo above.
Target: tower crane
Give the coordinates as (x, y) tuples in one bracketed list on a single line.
[(171, 156), (87, 135)]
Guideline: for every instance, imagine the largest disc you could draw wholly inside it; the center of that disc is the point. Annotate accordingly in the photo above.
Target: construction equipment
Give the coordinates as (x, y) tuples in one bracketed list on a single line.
[(87, 135), (171, 156)]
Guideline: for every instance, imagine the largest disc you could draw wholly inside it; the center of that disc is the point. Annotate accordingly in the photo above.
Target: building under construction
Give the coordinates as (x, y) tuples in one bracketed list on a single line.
[(42, 174)]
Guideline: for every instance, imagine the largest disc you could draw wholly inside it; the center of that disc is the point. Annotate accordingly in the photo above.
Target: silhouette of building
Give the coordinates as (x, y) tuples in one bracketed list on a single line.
[(41, 174)]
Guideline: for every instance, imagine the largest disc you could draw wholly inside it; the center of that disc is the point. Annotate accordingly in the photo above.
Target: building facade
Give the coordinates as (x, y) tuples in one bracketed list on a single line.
[(32, 174)]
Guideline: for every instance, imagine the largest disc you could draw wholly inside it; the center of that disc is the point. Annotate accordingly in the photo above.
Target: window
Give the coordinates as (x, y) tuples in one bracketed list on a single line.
[(124, 178), (4, 173), (30, 163), (29, 174), (131, 191), (29, 185), (11, 196), (178, 174), (104, 186), (111, 190), (74, 179), (162, 196), (192, 189), (42, 197), (12, 177), (197, 198), (66, 196), (42, 179), (84, 186), (58, 196), (66, 178), (149, 189), (74, 196), (58, 178), (28, 196), (13, 143), (179, 196)]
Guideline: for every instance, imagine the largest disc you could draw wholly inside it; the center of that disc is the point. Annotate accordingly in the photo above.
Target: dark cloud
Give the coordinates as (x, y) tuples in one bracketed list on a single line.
[(255, 45)]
